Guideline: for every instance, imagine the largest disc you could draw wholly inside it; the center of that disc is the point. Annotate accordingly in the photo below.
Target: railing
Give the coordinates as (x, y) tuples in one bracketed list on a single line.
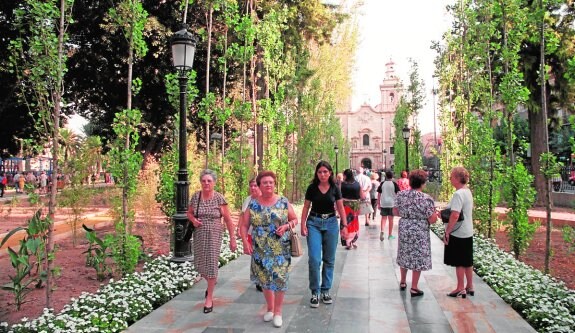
[(567, 181)]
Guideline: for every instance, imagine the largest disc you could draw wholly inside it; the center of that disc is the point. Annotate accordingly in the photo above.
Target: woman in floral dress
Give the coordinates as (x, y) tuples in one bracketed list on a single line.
[(271, 218), (417, 211)]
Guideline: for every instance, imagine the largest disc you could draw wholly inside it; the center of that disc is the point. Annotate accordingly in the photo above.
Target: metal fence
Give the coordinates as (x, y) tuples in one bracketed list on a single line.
[(567, 181)]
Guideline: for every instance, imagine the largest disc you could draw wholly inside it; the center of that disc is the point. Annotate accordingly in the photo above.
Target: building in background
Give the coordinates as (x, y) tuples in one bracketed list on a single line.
[(369, 130)]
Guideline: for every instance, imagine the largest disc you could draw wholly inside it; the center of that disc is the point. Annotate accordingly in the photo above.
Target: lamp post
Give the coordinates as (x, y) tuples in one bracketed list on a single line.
[(406, 132), (384, 159), (183, 48), (336, 149)]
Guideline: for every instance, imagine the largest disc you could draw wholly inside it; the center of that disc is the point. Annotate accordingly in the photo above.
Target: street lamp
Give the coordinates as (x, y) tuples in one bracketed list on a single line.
[(405, 132), (384, 159), (336, 149), (183, 48)]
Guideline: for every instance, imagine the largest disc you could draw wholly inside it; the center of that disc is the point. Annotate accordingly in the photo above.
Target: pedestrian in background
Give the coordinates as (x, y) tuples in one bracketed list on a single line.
[(350, 193), (373, 193), (387, 192), (365, 186), (254, 194)]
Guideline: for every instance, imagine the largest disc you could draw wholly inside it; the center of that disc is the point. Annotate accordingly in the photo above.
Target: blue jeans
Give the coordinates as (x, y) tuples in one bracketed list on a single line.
[(322, 240)]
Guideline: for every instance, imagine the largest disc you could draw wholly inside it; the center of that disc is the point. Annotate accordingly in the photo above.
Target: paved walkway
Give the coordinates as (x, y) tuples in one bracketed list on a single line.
[(366, 299)]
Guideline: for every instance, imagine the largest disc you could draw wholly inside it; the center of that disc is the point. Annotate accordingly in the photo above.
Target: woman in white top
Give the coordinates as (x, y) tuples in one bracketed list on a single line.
[(459, 238)]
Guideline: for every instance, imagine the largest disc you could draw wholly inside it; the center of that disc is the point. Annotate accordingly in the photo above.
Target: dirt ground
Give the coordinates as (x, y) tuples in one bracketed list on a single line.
[(77, 278)]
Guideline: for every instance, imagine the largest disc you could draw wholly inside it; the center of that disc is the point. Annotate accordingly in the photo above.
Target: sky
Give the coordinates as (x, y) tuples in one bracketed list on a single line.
[(398, 30)]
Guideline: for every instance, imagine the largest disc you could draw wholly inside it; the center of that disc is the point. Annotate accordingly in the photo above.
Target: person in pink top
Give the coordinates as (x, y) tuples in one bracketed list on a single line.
[(403, 182)]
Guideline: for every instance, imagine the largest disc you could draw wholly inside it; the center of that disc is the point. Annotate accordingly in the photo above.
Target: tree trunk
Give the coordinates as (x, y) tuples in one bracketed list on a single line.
[(209, 16), (57, 95)]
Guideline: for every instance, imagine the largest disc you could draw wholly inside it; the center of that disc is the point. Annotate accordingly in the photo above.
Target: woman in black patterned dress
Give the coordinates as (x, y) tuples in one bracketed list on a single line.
[(417, 211)]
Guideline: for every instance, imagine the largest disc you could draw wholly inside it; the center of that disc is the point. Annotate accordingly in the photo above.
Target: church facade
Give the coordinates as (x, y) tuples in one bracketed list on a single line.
[(369, 130)]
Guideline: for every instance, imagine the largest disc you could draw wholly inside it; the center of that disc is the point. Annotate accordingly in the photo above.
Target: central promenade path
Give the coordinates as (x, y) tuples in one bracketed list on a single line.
[(366, 299)]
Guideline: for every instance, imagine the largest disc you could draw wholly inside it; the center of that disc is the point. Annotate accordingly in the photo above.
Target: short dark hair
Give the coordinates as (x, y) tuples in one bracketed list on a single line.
[(388, 174), (417, 178), (265, 173)]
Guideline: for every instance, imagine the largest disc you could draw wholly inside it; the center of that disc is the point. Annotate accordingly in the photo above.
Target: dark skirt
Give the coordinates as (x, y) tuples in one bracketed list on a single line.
[(459, 252)]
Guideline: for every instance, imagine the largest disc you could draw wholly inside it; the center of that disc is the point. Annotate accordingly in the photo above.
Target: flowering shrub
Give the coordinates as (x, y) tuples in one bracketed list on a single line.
[(545, 302), (120, 303)]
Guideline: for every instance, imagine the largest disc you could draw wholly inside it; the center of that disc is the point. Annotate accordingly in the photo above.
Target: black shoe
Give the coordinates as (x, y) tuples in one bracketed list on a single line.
[(326, 298), (259, 288), (415, 292), (208, 309), (366, 224), (402, 286), (314, 301), (461, 293), (470, 292)]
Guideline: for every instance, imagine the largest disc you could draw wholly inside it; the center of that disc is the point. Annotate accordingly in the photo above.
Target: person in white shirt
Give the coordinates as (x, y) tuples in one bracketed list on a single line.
[(365, 186), (386, 198), (459, 240)]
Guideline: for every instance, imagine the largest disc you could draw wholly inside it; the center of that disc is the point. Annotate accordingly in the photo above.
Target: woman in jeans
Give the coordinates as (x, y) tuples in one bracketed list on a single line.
[(320, 225)]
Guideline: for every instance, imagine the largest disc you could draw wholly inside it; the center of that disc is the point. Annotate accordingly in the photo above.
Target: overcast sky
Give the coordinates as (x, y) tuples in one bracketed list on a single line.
[(398, 29)]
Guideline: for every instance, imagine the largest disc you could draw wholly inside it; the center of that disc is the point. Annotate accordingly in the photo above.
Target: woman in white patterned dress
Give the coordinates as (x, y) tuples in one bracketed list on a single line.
[(208, 231), (417, 211)]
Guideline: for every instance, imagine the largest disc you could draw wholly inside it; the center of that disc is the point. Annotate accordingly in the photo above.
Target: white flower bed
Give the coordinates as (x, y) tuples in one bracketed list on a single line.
[(118, 304), (545, 302)]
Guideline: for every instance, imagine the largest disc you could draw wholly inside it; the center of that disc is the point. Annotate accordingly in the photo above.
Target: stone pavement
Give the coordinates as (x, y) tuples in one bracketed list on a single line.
[(366, 299)]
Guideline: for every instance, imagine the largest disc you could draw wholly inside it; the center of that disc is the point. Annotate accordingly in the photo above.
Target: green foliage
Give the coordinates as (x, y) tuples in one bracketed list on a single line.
[(125, 163), (519, 196), (484, 165), (76, 197), (569, 237), (97, 253), (33, 197), (30, 254), (131, 17), (550, 168), (126, 250), (167, 173)]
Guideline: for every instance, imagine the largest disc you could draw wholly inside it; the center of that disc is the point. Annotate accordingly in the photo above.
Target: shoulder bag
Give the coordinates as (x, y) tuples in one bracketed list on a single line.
[(446, 214), (190, 228), (295, 242)]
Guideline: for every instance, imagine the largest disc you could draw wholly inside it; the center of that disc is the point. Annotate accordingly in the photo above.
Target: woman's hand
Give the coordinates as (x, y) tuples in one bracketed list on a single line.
[(247, 247), (303, 229), (446, 239), (233, 244), (282, 229), (196, 223)]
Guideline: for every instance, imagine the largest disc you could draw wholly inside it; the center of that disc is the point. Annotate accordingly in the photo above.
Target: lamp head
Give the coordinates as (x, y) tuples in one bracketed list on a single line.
[(183, 49), (336, 149), (406, 131)]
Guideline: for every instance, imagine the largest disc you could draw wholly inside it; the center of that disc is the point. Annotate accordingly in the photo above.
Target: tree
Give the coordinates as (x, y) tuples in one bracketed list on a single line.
[(38, 58)]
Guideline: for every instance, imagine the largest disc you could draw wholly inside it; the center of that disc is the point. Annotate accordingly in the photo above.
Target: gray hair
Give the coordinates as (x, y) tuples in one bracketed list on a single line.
[(210, 173)]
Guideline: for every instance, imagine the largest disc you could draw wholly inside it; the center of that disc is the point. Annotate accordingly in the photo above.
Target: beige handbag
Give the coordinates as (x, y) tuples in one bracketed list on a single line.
[(296, 248)]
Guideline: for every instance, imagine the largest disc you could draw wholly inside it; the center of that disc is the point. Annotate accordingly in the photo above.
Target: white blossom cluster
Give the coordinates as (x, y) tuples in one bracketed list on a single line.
[(545, 302), (120, 303)]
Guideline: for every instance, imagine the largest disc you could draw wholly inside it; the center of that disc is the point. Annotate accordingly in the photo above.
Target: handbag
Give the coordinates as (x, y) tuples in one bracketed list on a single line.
[(190, 229), (446, 214), (295, 242)]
